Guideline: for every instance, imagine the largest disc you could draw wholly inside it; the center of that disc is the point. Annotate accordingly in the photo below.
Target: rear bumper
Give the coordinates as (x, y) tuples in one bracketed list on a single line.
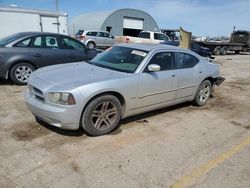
[(218, 81)]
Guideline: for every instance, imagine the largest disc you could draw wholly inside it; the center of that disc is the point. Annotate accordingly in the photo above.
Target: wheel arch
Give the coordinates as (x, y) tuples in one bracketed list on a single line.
[(118, 95), (17, 62), (211, 79)]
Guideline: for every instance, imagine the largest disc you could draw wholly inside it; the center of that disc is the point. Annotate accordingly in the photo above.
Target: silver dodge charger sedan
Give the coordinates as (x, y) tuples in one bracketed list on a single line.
[(125, 80)]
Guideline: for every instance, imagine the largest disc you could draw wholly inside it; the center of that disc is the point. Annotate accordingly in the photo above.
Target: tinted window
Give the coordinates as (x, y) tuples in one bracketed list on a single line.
[(79, 32), (8, 39), (164, 59), (159, 36), (51, 42), (37, 42), (186, 60), (106, 35), (144, 35), (23, 43), (92, 33), (100, 34), (68, 43)]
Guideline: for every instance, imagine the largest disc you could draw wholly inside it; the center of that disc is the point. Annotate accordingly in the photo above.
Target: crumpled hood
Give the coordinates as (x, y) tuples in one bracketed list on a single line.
[(75, 74)]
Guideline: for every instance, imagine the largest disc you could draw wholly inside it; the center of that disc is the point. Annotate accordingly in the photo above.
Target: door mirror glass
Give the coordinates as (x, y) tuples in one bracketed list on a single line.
[(154, 68)]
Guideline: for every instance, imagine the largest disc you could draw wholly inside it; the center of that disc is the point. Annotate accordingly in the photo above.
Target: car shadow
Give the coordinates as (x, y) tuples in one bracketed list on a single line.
[(143, 116), (123, 123), (5, 82), (76, 133)]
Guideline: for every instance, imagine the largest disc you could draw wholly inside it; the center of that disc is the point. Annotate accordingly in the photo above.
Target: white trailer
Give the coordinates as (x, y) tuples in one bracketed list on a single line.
[(14, 20)]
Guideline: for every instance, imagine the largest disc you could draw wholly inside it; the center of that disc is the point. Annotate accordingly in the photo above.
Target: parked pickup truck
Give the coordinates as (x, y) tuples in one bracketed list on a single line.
[(144, 37)]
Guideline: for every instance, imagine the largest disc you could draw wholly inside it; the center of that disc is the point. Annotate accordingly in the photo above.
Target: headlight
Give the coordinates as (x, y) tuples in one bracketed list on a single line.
[(61, 98)]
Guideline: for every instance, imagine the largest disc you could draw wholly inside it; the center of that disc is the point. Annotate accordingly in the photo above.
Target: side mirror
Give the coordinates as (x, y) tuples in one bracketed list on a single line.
[(154, 68)]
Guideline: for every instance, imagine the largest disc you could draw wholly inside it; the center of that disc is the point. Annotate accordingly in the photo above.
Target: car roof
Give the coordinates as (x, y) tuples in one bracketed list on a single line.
[(23, 34), (150, 47)]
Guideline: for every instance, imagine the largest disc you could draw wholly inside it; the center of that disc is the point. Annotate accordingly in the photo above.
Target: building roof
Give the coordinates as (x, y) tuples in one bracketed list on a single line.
[(93, 20), (32, 11)]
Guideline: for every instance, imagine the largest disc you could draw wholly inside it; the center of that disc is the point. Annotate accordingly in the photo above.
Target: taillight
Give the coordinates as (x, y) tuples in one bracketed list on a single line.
[(127, 40), (82, 37)]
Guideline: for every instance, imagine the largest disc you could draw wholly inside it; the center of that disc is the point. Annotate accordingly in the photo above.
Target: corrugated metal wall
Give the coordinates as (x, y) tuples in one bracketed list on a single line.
[(114, 19)]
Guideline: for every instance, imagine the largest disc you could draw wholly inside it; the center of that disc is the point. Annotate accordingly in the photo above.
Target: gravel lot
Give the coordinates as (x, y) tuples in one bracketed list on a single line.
[(181, 146)]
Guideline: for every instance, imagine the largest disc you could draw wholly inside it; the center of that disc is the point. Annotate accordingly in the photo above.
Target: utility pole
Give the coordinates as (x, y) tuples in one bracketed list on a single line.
[(57, 7)]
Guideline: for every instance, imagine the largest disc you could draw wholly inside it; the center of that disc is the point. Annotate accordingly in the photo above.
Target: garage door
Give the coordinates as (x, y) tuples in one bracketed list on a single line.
[(49, 24), (133, 23)]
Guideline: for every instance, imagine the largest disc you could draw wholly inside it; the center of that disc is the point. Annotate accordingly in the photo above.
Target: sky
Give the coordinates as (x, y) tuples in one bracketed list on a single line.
[(202, 17)]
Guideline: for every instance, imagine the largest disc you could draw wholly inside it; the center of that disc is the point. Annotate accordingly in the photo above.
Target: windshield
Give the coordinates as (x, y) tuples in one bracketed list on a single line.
[(8, 39), (121, 59)]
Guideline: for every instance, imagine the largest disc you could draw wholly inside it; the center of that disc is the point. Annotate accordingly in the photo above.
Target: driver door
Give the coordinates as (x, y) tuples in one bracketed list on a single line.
[(160, 87)]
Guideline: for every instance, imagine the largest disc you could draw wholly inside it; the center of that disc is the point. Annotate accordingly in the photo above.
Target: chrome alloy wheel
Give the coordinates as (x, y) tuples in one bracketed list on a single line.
[(104, 115), (204, 93), (22, 73)]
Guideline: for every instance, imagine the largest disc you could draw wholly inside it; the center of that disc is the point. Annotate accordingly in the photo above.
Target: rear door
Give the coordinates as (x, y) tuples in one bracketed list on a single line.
[(159, 87), (44, 51), (187, 74)]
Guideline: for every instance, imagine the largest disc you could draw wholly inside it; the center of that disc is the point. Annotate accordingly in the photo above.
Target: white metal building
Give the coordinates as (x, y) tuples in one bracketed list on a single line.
[(118, 22), (14, 20)]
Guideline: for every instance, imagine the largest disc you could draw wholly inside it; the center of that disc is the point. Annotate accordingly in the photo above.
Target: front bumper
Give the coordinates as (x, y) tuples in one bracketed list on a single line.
[(218, 81), (59, 116)]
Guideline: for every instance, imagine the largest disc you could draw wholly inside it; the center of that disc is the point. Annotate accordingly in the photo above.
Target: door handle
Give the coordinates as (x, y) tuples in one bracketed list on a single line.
[(173, 75), (37, 55)]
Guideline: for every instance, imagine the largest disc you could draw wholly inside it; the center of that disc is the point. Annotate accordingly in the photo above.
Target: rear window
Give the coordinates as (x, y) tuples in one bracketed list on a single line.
[(79, 32), (159, 36), (144, 35), (91, 34), (9, 39)]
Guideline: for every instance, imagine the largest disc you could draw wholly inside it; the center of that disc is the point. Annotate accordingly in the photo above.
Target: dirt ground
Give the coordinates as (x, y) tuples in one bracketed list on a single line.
[(181, 146)]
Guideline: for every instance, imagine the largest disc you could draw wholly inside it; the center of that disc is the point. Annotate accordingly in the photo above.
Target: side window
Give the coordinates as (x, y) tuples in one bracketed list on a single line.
[(100, 34), (185, 61), (23, 43), (144, 35), (164, 59), (68, 43), (106, 35), (158, 36), (51, 42), (93, 34), (37, 43)]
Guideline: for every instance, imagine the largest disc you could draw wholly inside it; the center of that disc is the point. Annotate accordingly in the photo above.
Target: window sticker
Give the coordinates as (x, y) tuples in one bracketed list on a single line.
[(140, 53)]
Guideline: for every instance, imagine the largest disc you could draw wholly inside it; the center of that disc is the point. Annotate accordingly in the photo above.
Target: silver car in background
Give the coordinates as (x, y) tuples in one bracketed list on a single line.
[(95, 39), (127, 79)]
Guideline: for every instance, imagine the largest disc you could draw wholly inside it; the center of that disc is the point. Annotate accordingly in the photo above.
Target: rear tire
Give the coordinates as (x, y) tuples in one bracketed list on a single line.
[(101, 115), (224, 50), (91, 45), (217, 50), (237, 51), (20, 73), (203, 93)]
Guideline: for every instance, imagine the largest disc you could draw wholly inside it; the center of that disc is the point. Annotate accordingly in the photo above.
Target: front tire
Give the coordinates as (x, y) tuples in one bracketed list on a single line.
[(102, 115), (20, 73), (203, 93)]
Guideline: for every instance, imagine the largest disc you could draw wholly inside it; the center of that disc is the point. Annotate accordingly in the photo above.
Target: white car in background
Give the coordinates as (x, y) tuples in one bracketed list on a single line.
[(95, 39)]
